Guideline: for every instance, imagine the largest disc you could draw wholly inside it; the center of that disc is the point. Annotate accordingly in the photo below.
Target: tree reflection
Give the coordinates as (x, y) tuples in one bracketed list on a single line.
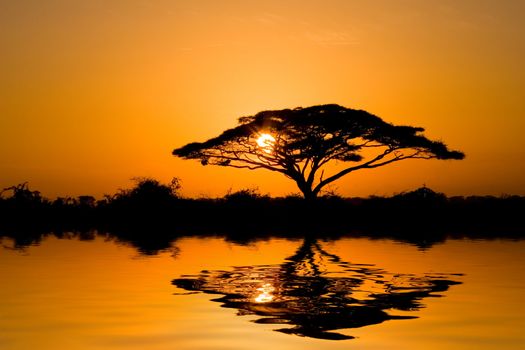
[(315, 292)]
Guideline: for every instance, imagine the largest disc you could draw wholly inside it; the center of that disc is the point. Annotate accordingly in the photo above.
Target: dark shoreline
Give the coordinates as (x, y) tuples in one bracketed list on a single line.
[(152, 219)]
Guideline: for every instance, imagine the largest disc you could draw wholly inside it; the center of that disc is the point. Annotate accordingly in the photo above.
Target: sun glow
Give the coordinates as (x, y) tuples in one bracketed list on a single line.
[(265, 295), (266, 141)]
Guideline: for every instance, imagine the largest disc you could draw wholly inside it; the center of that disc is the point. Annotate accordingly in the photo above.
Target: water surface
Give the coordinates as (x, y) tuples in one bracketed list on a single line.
[(208, 293)]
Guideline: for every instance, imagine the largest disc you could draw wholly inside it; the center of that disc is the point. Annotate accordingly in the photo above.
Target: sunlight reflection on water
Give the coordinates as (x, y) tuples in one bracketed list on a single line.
[(94, 294), (265, 294), (317, 293)]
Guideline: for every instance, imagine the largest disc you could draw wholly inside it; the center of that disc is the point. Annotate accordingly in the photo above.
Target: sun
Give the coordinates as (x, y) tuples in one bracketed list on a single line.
[(266, 141)]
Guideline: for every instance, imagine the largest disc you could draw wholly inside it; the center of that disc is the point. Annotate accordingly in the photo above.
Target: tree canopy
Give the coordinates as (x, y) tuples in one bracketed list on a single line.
[(299, 142)]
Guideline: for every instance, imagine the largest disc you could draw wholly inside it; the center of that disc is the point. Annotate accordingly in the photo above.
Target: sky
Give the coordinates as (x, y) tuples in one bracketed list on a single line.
[(94, 93)]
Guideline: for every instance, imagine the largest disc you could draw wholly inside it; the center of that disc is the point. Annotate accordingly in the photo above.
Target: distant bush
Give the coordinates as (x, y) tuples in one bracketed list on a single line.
[(247, 194), (150, 190)]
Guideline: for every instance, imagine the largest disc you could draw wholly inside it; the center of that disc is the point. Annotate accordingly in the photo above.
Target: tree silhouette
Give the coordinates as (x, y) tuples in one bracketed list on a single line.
[(298, 143)]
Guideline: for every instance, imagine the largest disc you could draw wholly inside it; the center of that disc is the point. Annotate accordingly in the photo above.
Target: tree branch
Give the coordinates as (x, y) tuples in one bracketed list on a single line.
[(342, 173)]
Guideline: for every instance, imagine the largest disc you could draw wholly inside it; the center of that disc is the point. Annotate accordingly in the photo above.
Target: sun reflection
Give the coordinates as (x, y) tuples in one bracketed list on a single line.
[(265, 295), (266, 141), (332, 294)]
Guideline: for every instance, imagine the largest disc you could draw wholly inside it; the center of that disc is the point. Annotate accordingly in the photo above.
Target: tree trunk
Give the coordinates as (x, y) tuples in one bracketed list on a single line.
[(308, 194), (306, 189)]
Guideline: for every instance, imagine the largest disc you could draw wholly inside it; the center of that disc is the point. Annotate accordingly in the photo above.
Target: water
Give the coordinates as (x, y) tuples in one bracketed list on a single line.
[(208, 293)]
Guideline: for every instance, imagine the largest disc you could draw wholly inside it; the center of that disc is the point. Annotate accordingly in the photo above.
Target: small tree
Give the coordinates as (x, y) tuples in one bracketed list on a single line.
[(22, 194), (298, 143), (148, 190)]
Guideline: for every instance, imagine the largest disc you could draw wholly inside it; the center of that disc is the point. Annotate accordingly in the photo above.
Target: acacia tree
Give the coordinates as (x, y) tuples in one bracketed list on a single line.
[(300, 142)]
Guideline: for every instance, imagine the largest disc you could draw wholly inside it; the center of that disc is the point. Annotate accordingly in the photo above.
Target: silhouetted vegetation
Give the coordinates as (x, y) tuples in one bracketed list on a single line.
[(299, 142), (152, 214)]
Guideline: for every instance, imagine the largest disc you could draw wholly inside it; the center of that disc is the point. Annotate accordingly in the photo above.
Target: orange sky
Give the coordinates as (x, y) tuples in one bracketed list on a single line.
[(93, 93)]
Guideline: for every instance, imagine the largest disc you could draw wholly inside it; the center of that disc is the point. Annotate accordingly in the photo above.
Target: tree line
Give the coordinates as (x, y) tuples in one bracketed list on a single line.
[(160, 206)]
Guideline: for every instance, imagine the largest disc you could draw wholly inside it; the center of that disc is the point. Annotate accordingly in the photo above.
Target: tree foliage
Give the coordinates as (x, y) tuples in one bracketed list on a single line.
[(303, 140)]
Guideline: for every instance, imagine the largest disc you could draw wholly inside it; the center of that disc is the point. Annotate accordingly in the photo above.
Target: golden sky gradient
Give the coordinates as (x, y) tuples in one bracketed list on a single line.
[(93, 93)]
